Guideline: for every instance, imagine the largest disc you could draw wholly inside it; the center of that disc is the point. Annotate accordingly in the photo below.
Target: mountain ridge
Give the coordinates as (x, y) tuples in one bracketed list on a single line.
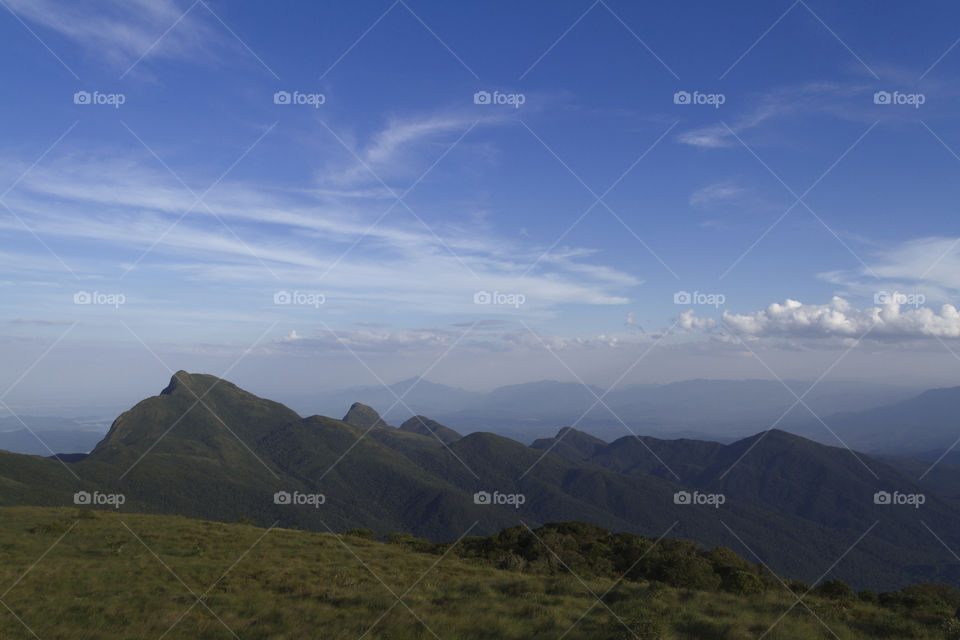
[(227, 457)]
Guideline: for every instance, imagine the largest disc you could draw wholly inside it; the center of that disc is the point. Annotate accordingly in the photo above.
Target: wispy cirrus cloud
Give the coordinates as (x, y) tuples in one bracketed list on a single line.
[(929, 265), (845, 101), (120, 31), (127, 211)]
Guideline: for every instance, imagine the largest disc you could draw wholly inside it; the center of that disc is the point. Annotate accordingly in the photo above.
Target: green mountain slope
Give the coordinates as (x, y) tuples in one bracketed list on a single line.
[(798, 505), (84, 575)]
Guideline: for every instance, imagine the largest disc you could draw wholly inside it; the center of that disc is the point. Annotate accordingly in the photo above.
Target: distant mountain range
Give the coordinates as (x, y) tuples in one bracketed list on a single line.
[(713, 409), (925, 426), (205, 448)]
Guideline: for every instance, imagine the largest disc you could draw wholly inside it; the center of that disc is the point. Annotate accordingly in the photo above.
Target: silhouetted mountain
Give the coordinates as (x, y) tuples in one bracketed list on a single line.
[(364, 417), (419, 397), (205, 448), (703, 409), (571, 444), (427, 427)]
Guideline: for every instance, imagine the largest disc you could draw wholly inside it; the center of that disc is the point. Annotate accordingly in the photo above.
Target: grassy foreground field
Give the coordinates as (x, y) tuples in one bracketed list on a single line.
[(75, 575)]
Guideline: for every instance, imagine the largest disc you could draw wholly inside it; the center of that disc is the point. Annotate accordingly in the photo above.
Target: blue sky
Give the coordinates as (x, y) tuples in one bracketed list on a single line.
[(387, 200)]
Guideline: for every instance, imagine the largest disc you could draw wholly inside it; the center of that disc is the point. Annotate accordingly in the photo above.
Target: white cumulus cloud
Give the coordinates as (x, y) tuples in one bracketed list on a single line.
[(891, 320)]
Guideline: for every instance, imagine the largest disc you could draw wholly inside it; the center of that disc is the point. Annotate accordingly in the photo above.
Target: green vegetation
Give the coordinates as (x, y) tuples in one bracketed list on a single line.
[(105, 575), (798, 505)]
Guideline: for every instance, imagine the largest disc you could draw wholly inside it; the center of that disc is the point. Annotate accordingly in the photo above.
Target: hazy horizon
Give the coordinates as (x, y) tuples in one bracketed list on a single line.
[(568, 194)]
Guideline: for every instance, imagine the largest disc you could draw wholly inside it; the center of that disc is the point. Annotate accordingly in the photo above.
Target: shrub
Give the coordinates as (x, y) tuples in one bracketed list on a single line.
[(406, 539), (869, 596), (689, 572), (951, 628), (742, 583), (834, 589), (366, 534)]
